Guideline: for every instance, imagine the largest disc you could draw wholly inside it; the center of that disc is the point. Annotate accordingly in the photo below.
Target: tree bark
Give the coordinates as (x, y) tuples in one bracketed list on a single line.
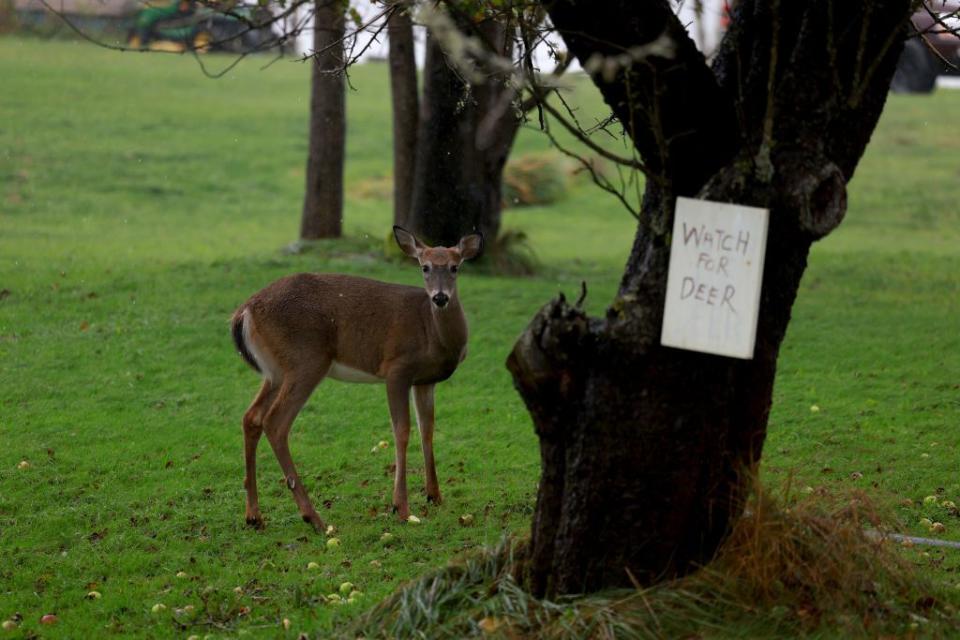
[(459, 172), (403, 87), (323, 203), (647, 452)]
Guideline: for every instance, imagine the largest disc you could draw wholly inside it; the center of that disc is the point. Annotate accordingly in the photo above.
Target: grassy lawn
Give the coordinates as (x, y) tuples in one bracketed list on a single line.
[(141, 202)]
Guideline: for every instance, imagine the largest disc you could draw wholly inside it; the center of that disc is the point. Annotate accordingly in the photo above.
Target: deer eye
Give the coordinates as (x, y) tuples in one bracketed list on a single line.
[(453, 269), (426, 268)]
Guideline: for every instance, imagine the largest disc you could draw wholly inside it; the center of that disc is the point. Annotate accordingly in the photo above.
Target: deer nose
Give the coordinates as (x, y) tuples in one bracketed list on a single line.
[(441, 299)]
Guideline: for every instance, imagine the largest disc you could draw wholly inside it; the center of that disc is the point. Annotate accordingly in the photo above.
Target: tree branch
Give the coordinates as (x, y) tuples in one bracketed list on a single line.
[(681, 123)]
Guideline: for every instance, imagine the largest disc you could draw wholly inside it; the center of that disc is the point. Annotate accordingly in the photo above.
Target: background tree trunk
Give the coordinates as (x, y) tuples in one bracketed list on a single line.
[(458, 175), (323, 203), (403, 87), (647, 452)]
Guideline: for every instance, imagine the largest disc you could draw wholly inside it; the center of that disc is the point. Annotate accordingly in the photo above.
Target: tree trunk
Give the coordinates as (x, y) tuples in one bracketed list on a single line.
[(403, 87), (647, 452), (323, 203), (463, 143)]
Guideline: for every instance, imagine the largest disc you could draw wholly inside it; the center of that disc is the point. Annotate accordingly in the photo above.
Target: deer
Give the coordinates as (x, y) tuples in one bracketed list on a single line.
[(307, 327)]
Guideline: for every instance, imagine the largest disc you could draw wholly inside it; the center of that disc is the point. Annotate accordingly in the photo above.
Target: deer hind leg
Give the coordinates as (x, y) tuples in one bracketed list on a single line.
[(252, 429), (423, 402), (290, 398), (398, 398)]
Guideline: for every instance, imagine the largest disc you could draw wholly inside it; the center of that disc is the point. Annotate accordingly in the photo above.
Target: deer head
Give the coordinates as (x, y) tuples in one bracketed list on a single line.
[(440, 265)]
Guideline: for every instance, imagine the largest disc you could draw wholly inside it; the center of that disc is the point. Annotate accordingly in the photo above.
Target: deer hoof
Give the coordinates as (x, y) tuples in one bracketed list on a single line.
[(436, 499), (255, 521), (315, 521)]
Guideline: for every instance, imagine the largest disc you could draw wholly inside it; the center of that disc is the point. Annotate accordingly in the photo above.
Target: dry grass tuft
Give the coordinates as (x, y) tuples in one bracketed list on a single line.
[(790, 568)]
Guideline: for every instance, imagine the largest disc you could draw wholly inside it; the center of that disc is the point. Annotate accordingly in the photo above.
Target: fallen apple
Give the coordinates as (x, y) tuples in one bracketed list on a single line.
[(930, 500), (286, 623), (49, 619), (355, 594), (9, 625), (412, 519), (94, 595), (938, 527), (330, 529), (181, 574), (927, 522), (23, 465), (312, 565), (466, 520), (383, 444), (333, 543), (346, 588), (157, 608), (386, 537)]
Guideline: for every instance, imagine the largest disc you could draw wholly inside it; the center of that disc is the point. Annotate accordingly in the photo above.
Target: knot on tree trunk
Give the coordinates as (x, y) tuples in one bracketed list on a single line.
[(820, 199)]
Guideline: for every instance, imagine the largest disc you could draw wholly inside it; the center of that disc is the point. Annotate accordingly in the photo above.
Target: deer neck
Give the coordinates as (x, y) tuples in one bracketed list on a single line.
[(450, 324)]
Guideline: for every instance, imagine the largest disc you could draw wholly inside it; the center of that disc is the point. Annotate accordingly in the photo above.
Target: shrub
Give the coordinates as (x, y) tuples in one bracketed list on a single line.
[(534, 179)]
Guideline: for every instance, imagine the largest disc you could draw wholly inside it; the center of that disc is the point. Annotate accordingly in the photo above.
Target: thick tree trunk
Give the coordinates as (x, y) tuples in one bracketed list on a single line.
[(647, 452), (459, 172), (403, 87), (323, 203)]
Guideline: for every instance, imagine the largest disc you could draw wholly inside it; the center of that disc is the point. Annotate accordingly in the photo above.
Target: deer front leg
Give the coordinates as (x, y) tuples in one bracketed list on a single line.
[(398, 398), (290, 399), (252, 429), (423, 401)]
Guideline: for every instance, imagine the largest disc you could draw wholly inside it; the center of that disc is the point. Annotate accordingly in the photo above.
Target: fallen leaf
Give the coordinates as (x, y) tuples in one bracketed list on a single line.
[(489, 625)]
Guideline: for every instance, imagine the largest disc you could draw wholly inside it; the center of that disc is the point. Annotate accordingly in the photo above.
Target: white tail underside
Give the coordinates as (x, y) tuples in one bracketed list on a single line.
[(268, 368)]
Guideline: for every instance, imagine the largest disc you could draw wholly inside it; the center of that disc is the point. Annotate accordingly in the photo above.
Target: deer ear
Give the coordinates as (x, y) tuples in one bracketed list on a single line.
[(408, 242), (470, 246)]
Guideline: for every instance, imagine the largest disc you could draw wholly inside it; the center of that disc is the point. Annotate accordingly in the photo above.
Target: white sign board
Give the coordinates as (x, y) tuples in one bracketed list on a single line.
[(713, 286)]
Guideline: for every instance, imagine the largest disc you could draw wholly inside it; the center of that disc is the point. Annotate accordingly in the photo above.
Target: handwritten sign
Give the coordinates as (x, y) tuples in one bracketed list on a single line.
[(713, 286)]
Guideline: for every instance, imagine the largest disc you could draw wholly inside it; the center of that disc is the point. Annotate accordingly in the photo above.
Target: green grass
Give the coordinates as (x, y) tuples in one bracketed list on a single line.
[(140, 203)]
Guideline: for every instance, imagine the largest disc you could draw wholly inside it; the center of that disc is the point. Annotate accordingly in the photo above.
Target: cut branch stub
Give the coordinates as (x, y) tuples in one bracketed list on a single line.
[(542, 360)]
